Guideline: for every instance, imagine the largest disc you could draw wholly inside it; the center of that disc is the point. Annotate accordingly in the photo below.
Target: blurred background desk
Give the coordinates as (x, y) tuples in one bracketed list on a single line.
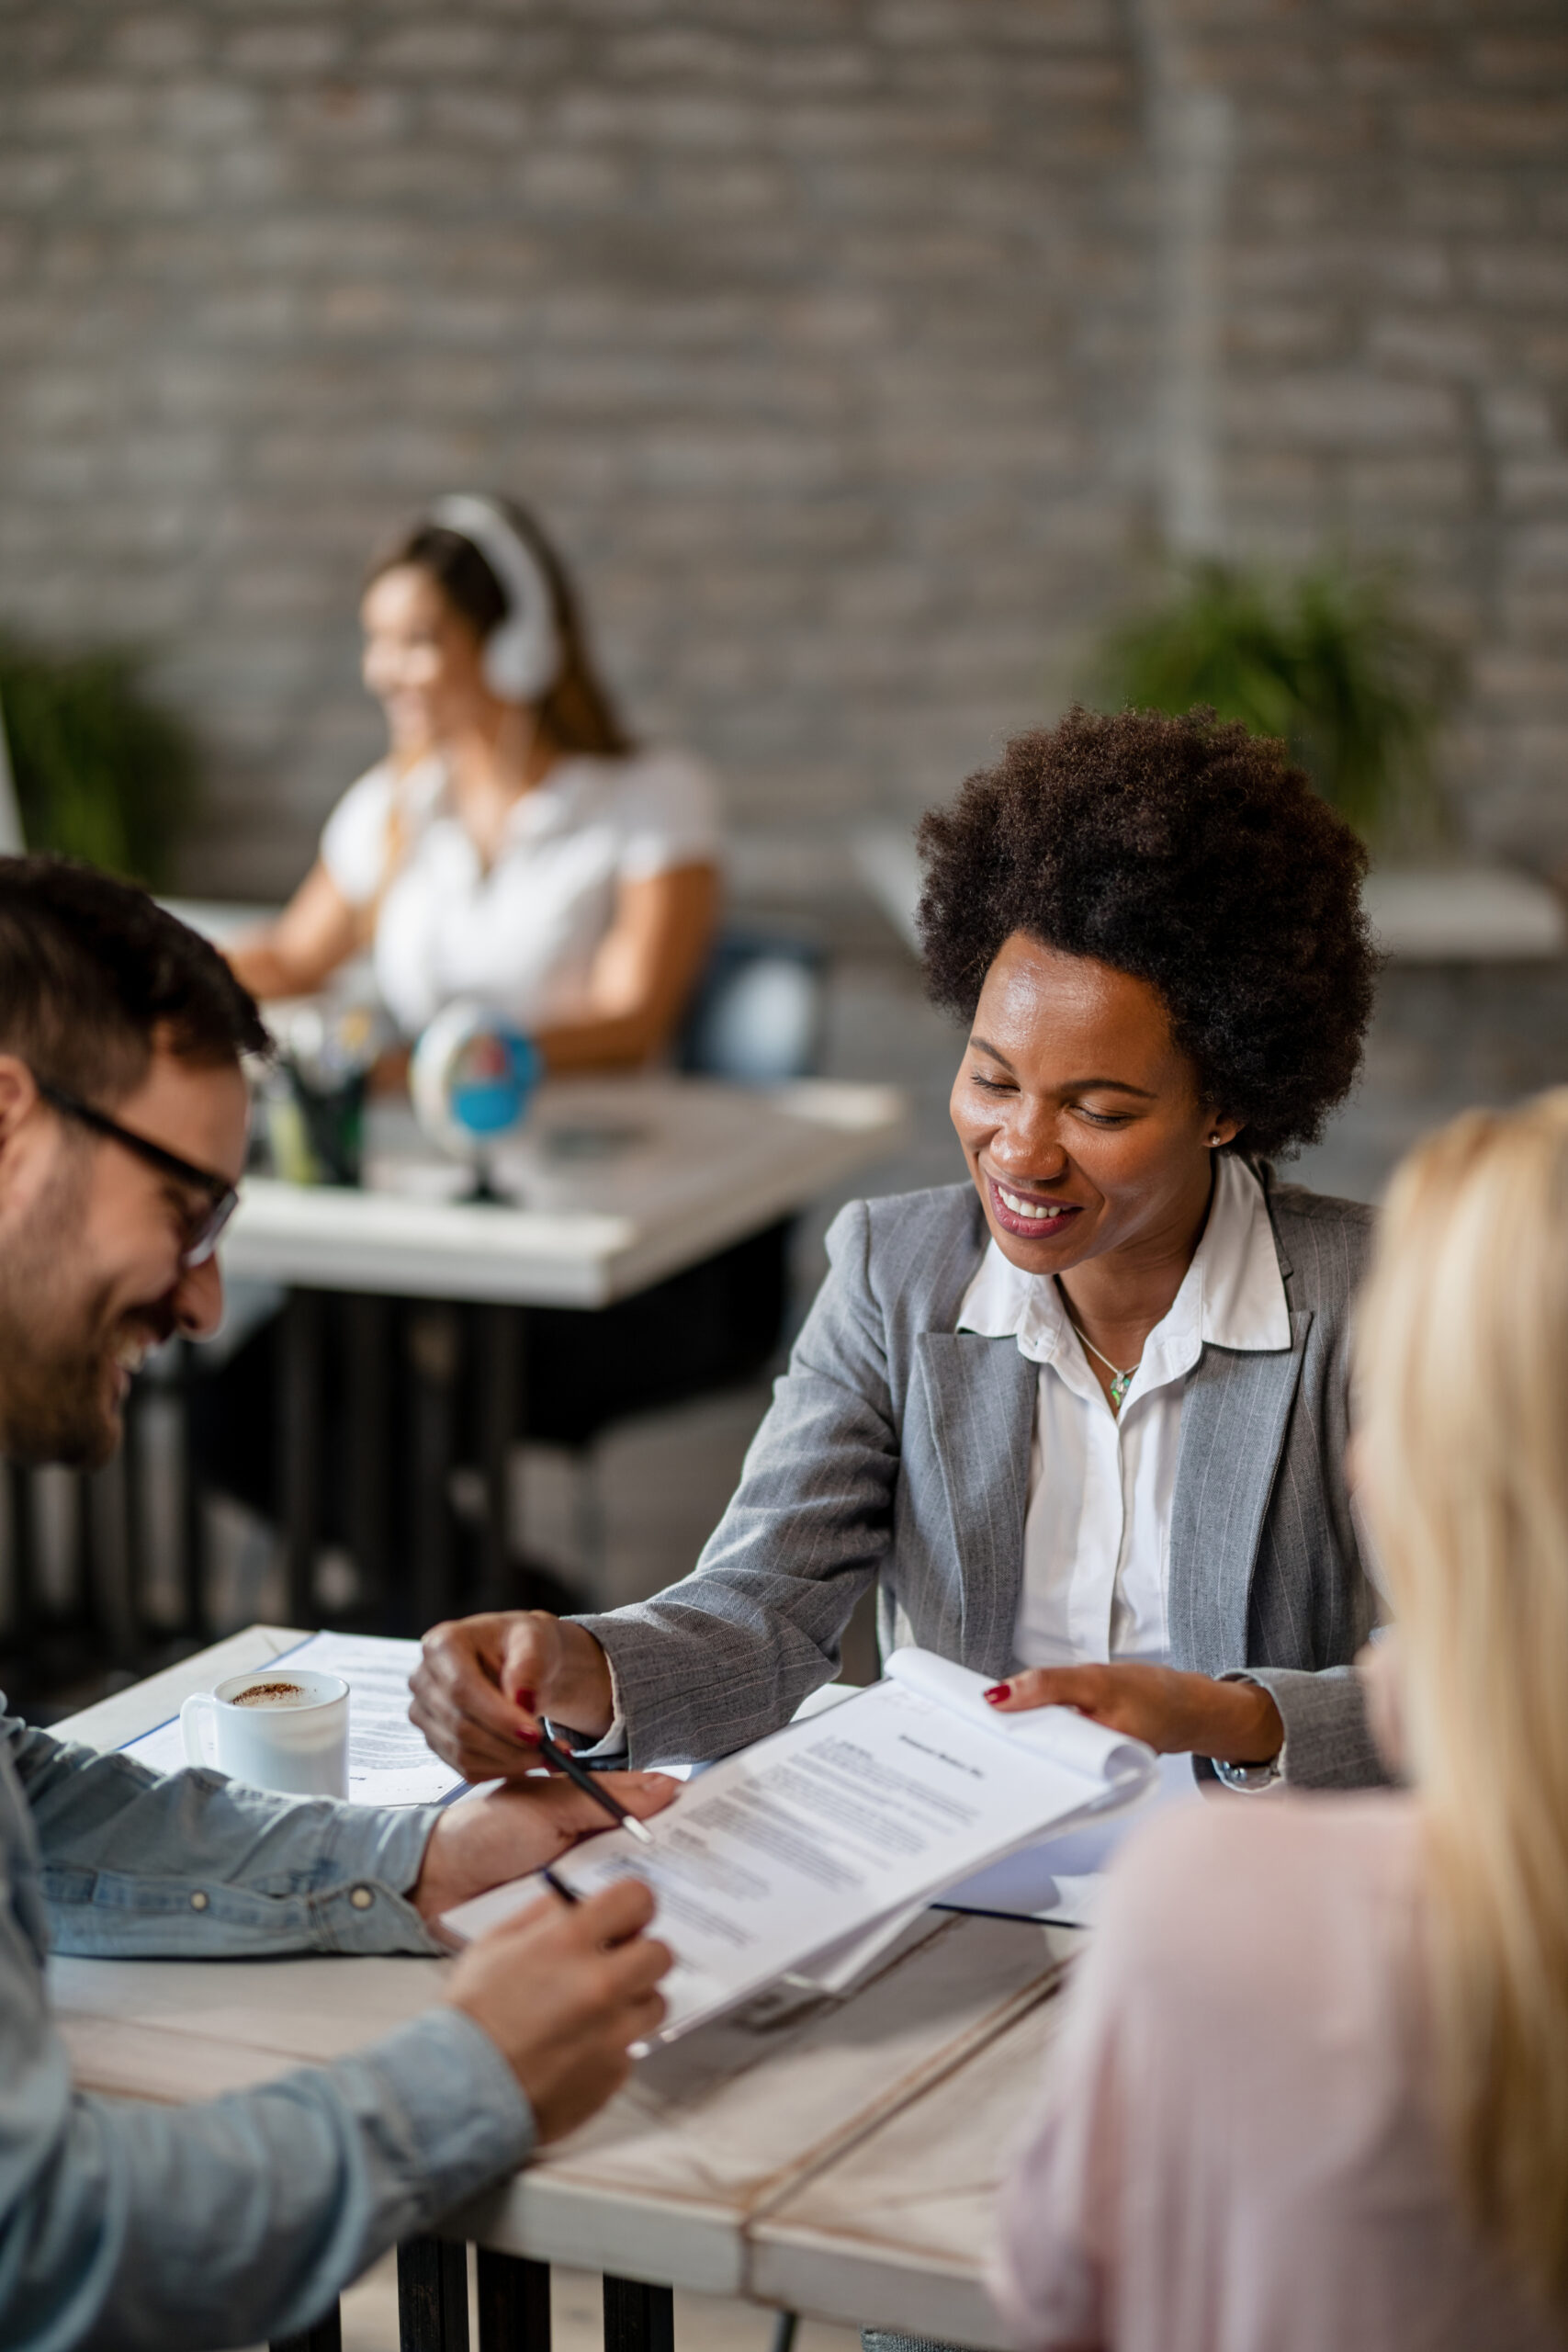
[(617, 1182), (637, 1258)]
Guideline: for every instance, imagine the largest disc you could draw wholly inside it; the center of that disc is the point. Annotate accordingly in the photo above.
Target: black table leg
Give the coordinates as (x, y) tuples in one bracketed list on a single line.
[(194, 1611), (300, 1433), (108, 1584), (433, 2296), (369, 1447), (499, 1353), (514, 2304), (433, 1362), (134, 1489), (325, 2337), (26, 1607), (638, 2318)]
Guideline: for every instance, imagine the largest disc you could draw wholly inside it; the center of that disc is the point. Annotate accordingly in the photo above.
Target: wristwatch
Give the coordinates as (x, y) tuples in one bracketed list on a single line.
[(1251, 1778)]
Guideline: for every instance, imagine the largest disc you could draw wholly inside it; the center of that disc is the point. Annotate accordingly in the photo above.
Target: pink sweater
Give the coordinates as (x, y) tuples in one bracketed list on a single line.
[(1238, 2151)]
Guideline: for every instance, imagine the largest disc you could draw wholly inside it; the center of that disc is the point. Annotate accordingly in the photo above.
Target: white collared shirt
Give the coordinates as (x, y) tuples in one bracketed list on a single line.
[(522, 932), (1096, 1534)]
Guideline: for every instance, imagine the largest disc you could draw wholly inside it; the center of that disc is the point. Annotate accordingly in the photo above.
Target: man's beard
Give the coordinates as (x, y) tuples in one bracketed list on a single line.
[(58, 1339)]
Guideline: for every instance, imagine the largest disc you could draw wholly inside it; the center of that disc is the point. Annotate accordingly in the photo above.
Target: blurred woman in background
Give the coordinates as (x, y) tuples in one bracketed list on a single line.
[(514, 845), (1312, 2090)]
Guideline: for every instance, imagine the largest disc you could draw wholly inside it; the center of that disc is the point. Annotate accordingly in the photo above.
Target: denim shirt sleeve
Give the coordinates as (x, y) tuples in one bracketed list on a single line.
[(138, 1864), (133, 2228)]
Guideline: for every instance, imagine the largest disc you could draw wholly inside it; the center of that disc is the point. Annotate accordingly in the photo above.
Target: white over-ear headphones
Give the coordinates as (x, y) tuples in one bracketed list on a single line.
[(523, 651)]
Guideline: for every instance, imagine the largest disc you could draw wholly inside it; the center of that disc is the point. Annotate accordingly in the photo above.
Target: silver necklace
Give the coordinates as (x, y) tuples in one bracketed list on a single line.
[(1120, 1381)]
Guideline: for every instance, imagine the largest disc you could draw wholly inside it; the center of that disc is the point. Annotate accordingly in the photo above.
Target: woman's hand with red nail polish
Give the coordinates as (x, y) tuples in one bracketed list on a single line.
[(1173, 1712), (484, 1685)]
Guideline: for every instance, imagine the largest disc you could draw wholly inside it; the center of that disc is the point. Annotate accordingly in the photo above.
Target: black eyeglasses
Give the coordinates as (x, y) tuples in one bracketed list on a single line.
[(223, 1197)]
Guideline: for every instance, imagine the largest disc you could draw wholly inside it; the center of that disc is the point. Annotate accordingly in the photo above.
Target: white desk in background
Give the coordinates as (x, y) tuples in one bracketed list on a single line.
[(620, 1182), (841, 2162)]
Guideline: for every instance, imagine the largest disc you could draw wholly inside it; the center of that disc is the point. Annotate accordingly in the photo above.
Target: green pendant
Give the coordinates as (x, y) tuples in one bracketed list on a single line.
[(1120, 1386)]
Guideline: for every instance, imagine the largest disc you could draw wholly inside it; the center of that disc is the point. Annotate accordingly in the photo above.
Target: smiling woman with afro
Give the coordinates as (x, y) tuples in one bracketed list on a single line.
[(1192, 855), (1081, 1419)]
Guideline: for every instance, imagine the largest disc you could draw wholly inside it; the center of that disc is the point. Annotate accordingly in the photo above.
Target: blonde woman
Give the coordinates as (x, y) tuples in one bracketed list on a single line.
[(1312, 2090)]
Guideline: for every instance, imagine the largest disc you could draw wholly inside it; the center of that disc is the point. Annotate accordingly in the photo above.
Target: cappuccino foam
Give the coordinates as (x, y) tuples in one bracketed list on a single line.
[(272, 1694)]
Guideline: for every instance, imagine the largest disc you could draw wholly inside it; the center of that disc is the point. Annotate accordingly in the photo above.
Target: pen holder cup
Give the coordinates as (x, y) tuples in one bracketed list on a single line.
[(314, 1129), (334, 1119)]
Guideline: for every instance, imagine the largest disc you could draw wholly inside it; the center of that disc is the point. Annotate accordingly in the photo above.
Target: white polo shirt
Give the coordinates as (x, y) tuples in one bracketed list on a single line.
[(522, 934), (1097, 1532)]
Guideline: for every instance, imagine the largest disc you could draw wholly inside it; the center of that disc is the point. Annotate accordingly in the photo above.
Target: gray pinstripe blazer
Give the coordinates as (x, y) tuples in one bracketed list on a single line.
[(898, 1448)]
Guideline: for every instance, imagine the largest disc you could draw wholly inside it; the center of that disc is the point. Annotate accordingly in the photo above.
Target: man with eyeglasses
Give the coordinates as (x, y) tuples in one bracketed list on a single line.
[(123, 1135)]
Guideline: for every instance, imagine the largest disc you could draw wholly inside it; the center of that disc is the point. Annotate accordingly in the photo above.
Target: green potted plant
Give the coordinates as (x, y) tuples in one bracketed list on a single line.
[(1330, 660), (101, 772)]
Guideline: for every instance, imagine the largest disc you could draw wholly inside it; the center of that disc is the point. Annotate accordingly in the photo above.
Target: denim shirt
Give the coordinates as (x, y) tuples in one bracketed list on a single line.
[(130, 2226)]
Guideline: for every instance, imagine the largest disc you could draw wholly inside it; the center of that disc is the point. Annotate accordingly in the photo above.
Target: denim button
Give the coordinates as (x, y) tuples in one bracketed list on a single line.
[(362, 1898), (198, 1901)]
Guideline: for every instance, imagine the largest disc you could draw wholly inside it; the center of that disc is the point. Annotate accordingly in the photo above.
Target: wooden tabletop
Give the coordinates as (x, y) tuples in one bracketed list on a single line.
[(901, 2223), (620, 1182), (830, 2157)]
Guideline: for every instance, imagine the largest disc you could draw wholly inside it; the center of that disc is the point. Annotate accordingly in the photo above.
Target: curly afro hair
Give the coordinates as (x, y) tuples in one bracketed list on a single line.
[(1194, 856)]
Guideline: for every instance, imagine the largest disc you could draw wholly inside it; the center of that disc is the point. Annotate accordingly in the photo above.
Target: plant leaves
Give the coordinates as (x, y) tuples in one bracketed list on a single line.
[(1329, 661), (102, 772)]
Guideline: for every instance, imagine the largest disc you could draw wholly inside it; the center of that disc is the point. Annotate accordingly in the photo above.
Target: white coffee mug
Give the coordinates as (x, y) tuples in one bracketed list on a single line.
[(279, 1728)]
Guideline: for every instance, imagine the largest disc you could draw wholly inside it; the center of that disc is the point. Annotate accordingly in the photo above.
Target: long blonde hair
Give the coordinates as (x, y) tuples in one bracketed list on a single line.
[(1463, 1369)]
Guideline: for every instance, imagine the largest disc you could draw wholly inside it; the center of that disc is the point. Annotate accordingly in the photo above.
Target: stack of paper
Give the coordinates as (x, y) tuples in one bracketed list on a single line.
[(806, 1854)]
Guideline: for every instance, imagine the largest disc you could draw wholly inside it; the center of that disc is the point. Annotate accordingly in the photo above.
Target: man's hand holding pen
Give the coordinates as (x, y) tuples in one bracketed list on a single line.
[(484, 1842)]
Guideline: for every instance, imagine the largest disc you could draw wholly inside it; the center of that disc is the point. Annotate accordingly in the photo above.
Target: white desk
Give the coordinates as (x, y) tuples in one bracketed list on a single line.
[(684, 1167), (838, 2162)]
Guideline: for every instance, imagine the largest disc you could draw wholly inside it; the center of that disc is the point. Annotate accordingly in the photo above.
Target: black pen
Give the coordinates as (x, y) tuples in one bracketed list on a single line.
[(559, 1886), (581, 1777)]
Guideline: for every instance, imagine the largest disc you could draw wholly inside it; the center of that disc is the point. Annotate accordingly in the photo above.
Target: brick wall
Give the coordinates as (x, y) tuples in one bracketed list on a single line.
[(834, 339), (1395, 372)]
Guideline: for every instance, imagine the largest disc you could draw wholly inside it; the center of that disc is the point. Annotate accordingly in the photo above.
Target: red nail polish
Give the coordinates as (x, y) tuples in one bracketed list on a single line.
[(524, 1700), (529, 1738), (997, 1691)]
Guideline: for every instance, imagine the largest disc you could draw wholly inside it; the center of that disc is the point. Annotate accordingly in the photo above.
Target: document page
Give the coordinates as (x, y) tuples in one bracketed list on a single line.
[(1059, 1876), (815, 1835), (388, 1762)]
